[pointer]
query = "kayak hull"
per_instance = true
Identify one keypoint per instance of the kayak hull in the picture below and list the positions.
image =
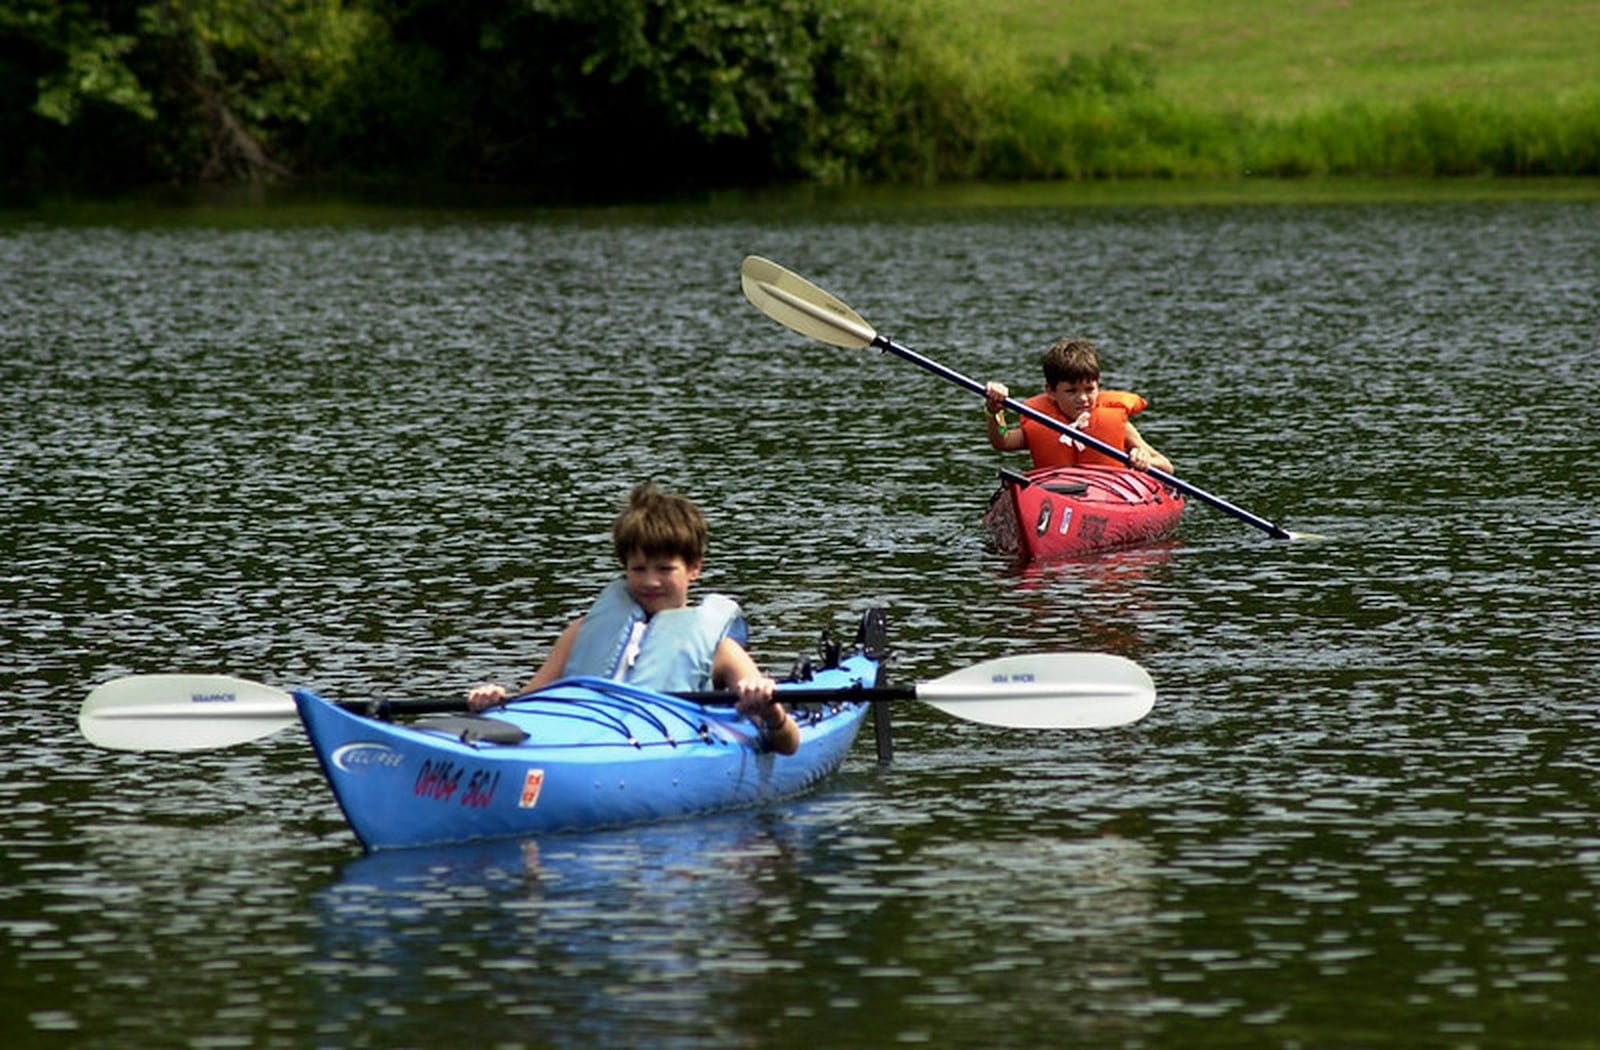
(595, 754)
(1066, 512)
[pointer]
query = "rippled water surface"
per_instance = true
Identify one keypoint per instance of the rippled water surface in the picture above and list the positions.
(379, 453)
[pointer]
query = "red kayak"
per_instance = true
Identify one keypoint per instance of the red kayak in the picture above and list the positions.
(1062, 512)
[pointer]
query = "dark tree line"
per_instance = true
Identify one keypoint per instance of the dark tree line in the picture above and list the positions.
(560, 92)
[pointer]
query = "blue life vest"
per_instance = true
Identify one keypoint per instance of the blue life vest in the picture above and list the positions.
(670, 652)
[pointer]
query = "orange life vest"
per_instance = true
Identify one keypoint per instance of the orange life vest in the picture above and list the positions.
(1108, 421)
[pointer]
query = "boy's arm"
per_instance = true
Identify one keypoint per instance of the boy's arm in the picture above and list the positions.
(732, 668)
(1009, 439)
(555, 665)
(1142, 455)
(488, 694)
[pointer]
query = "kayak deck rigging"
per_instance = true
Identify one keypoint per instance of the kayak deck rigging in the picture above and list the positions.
(607, 713)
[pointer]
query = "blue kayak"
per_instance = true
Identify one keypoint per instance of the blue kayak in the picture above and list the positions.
(583, 753)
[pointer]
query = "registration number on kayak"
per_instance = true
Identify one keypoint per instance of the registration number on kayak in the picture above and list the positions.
(441, 781)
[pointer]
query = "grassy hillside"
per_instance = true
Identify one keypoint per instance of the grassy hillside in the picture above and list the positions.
(1086, 89)
(1275, 59)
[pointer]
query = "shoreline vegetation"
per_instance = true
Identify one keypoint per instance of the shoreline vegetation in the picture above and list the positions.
(674, 95)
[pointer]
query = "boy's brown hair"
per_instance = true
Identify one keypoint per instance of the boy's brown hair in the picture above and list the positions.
(659, 524)
(1070, 360)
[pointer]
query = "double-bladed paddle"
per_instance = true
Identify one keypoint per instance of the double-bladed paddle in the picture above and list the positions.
(796, 303)
(183, 712)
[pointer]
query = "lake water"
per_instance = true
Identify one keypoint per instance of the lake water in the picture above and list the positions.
(377, 452)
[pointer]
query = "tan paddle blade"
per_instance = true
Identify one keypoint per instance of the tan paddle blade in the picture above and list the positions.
(796, 303)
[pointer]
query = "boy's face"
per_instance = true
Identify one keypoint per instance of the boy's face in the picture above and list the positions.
(658, 582)
(1074, 397)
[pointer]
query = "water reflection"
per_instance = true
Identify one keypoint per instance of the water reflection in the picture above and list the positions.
(684, 933)
(550, 938)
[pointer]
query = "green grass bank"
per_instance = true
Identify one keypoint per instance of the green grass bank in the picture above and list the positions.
(1229, 88)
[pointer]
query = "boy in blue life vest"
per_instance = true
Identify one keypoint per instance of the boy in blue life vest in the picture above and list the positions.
(642, 629)
(1072, 395)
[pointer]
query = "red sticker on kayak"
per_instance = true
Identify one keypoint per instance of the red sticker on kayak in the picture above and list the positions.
(530, 788)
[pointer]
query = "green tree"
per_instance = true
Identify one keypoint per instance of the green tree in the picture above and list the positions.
(621, 92)
(63, 70)
(172, 88)
(592, 91)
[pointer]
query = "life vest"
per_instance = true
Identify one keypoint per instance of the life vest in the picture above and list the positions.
(1108, 421)
(670, 652)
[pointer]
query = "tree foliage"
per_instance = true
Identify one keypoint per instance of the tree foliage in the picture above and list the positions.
(607, 92)
(167, 89)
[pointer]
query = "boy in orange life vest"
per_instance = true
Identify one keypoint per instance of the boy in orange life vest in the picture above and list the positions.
(1072, 395)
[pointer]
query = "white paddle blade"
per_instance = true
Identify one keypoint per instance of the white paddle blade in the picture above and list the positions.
(182, 712)
(796, 303)
(1046, 691)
